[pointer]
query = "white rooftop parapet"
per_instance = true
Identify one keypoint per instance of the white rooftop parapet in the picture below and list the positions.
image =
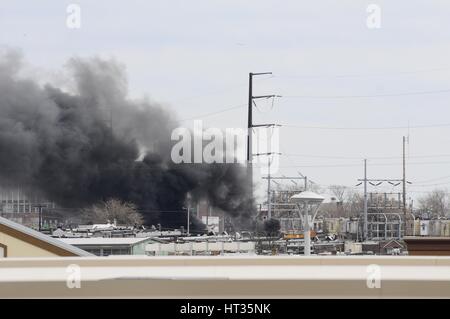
(227, 277)
(202, 247)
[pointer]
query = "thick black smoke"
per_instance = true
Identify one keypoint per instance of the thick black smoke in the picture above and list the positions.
(61, 143)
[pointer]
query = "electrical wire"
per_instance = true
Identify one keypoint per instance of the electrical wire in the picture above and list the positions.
(434, 179)
(213, 113)
(362, 157)
(367, 128)
(310, 76)
(359, 165)
(429, 185)
(413, 93)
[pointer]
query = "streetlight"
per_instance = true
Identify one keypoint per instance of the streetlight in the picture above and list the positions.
(309, 203)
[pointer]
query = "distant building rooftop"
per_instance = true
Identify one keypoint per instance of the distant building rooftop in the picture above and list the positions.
(104, 240)
(106, 246)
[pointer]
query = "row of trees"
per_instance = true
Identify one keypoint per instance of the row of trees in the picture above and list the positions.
(351, 203)
(436, 203)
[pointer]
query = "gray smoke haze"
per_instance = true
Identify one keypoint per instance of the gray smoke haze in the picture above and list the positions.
(61, 144)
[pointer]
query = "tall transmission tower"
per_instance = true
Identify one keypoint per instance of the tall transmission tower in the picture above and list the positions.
(250, 126)
(404, 186)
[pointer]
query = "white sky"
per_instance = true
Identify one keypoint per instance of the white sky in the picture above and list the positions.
(195, 56)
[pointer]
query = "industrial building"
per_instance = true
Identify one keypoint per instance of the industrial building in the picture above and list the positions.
(100, 246)
(17, 200)
(25, 207)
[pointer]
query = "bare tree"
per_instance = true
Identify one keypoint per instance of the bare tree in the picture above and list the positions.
(354, 203)
(328, 210)
(339, 191)
(436, 202)
(114, 209)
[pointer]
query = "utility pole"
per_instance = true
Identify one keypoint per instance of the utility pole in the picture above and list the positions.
(269, 199)
(404, 187)
(207, 217)
(365, 212)
(40, 218)
(188, 199)
(250, 125)
(365, 201)
(188, 222)
(250, 119)
(40, 206)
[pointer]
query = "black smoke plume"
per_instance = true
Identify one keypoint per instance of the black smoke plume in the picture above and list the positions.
(91, 142)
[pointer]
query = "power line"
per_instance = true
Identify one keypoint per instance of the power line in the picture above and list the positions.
(434, 179)
(428, 185)
(213, 113)
(426, 192)
(218, 91)
(361, 157)
(321, 156)
(321, 166)
(357, 165)
(271, 106)
(367, 128)
(358, 75)
(366, 95)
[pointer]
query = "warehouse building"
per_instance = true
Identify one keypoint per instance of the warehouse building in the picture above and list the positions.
(107, 246)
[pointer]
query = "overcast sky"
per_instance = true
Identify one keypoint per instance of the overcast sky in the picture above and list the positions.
(333, 71)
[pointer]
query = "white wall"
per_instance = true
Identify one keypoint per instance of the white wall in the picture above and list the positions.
(201, 247)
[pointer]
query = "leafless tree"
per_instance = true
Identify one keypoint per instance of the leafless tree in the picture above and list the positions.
(124, 213)
(339, 191)
(436, 202)
(354, 203)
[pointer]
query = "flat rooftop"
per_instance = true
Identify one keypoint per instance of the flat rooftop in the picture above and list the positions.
(92, 241)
